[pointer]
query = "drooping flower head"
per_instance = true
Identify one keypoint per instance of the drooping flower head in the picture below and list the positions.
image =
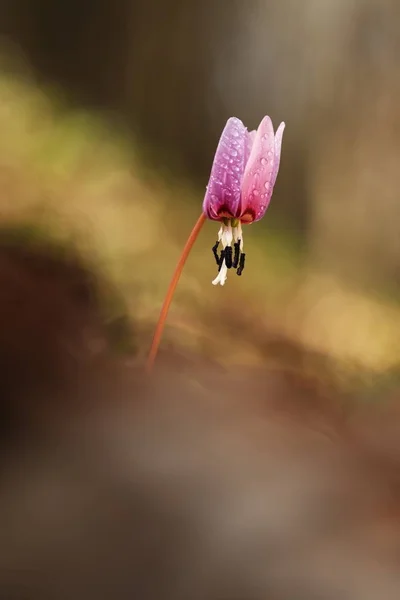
(241, 183)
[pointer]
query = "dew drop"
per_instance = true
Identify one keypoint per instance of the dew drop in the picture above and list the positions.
(263, 161)
(256, 192)
(234, 152)
(266, 185)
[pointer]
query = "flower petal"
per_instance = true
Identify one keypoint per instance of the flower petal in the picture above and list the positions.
(223, 192)
(250, 141)
(257, 185)
(278, 146)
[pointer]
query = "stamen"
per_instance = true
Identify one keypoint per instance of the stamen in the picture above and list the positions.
(236, 255)
(214, 251)
(241, 264)
(238, 235)
(228, 257)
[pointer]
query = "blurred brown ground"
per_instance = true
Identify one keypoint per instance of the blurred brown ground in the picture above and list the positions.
(197, 482)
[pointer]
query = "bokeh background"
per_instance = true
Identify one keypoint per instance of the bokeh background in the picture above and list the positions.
(110, 112)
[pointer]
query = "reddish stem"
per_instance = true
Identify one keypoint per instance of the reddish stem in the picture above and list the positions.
(170, 293)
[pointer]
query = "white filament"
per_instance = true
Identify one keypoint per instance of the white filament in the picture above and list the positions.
(238, 235)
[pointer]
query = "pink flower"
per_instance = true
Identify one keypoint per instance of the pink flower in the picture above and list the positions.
(242, 180)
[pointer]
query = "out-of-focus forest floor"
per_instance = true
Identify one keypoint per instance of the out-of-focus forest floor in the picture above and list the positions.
(69, 177)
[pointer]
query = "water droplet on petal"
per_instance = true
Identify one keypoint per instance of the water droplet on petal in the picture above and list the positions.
(256, 192)
(263, 160)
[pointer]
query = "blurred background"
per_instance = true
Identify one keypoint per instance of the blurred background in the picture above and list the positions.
(110, 112)
(231, 468)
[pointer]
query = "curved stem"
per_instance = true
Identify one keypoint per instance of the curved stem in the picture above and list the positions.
(170, 292)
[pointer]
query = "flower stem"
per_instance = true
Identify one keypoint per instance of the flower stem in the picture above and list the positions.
(170, 292)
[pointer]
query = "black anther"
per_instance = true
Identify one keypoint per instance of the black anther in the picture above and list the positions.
(236, 254)
(214, 251)
(228, 257)
(241, 264)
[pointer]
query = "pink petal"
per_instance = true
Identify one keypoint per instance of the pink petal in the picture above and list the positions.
(258, 176)
(278, 146)
(250, 141)
(223, 192)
